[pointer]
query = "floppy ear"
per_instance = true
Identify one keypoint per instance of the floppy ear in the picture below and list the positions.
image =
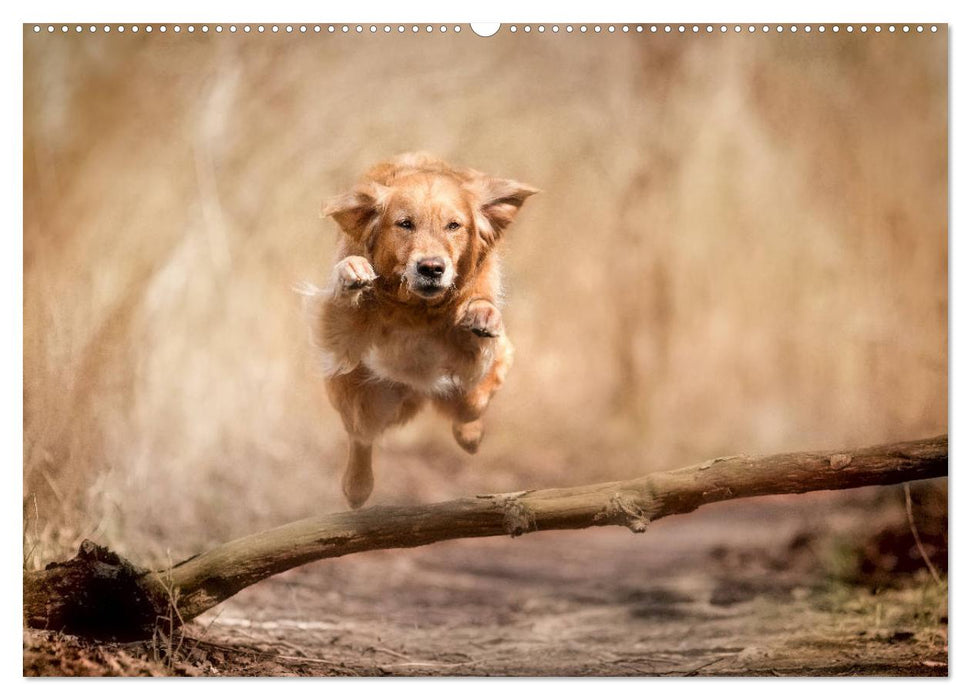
(354, 211)
(499, 202)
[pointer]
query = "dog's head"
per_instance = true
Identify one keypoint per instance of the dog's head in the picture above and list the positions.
(426, 227)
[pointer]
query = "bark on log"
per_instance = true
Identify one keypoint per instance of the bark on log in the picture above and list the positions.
(100, 594)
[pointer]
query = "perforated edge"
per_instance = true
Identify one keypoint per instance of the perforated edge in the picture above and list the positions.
(425, 29)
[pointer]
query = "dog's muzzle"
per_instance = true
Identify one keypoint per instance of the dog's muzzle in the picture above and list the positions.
(430, 277)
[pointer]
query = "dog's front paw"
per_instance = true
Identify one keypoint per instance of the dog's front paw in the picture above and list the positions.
(355, 273)
(483, 319)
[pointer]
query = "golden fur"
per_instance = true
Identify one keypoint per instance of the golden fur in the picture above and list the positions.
(412, 312)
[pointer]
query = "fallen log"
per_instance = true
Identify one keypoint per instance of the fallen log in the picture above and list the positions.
(99, 594)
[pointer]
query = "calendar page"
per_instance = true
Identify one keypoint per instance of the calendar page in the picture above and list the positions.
(485, 306)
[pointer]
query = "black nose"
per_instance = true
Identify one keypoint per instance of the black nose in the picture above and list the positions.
(431, 267)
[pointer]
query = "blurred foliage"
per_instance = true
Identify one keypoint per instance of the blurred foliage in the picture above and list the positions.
(886, 553)
(741, 246)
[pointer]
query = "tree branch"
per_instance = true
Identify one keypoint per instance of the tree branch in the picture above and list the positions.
(60, 597)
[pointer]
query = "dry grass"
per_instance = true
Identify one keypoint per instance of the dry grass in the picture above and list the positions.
(741, 245)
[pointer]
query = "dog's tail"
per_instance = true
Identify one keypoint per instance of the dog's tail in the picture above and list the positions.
(314, 298)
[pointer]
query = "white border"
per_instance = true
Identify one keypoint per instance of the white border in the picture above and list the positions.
(602, 11)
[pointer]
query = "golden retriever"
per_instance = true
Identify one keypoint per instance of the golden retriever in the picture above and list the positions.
(412, 314)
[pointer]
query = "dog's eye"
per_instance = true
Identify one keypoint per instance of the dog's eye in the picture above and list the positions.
(453, 226)
(407, 224)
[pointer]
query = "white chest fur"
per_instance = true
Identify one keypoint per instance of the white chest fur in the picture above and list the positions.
(426, 363)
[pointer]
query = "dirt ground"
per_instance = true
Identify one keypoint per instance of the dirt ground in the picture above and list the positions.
(737, 589)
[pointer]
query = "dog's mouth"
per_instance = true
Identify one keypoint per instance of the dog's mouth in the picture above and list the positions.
(427, 289)
(431, 283)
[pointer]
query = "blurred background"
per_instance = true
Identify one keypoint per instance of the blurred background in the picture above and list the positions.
(740, 246)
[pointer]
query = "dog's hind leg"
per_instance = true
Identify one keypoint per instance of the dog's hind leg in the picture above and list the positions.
(466, 409)
(468, 435)
(358, 480)
(368, 407)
